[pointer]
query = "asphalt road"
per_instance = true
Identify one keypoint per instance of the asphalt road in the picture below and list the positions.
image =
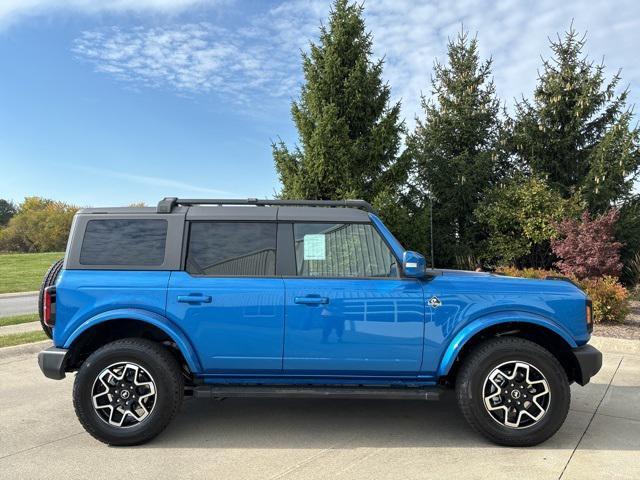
(308, 439)
(18, 304)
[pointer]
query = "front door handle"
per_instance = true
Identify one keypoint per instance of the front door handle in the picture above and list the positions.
(194, 298)
(309, 300)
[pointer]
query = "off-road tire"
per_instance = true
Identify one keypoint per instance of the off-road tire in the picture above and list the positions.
(48, 280)
(164, 370)
(489, 355)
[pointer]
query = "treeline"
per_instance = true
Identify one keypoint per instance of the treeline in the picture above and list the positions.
(35, 225)
(500, 182)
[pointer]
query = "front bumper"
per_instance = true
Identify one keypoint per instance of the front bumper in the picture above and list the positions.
(588, 363)
(52, 362)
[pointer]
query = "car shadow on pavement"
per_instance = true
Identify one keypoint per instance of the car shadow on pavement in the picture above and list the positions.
(332, 423)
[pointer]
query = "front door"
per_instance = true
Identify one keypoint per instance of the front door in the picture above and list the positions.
(228, 301)
(348, 312)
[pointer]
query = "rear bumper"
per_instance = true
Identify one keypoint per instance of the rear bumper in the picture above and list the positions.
(52, 362)
(588, 361)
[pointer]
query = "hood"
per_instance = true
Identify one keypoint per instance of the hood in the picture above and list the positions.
(464, 273)
(488, 280)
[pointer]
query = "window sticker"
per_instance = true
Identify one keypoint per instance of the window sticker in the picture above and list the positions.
(314, 247)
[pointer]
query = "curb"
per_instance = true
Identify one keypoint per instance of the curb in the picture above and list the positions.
(25, 349)
(18, 294)
(20, 328)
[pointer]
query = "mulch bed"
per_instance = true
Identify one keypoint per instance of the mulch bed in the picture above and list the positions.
(629, 329)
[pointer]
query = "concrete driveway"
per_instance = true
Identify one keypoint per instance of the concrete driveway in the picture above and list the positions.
(351, 439)
(18, 303)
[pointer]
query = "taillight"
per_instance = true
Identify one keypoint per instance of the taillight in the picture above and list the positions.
(589, 314)
(49, 310)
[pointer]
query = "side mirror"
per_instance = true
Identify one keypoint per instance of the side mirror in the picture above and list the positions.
(413, 264)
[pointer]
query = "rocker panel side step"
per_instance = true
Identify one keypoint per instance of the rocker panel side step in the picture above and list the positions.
(223, 391)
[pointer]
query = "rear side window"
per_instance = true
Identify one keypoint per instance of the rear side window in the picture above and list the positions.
(232, 249)
(342, 250)
(135, 242)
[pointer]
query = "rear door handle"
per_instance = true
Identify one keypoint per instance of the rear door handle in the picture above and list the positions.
(194, 298)
(311, 300)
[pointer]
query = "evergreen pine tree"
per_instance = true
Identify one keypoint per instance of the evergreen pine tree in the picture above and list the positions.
(576, 131)
(349, 133)
(455, 149)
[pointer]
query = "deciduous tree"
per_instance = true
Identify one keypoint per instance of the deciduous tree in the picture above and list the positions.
(7, 210)
(587, 248)
(41, 225)
(521, 218)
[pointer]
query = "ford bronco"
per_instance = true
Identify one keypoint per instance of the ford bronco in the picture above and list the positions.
(228, 298)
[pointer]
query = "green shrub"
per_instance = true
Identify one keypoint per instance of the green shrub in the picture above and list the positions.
(535, 273)
(520, 219)
(609, 297)
(628, 233)
(631, 272)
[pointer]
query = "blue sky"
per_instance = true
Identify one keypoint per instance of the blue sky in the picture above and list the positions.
(118, 101)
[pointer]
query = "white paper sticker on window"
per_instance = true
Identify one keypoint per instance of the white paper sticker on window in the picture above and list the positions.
(314, 247)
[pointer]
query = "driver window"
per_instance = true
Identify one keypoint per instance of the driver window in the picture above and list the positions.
(342, 250)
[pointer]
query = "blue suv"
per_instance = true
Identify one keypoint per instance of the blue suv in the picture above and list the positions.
(228, 298)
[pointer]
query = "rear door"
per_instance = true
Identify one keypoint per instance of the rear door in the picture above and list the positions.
(348, 311)
(229, 301)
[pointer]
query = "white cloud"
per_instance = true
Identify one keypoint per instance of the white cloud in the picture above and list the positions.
(514, 33)
(259, 59)
(193, 58)
(411, 34)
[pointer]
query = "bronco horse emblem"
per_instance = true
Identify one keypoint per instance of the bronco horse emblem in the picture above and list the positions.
(435, 302)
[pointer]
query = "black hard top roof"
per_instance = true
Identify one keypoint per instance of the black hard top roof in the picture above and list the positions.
(308, 214)
(250, 210)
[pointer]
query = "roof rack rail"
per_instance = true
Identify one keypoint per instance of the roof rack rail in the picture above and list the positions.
(167, 204)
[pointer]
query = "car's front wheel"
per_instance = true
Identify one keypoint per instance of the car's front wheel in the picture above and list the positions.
(513, 391)
(128, 391)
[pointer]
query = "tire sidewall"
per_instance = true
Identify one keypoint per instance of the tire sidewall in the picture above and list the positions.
(151, 425)
(555, 414)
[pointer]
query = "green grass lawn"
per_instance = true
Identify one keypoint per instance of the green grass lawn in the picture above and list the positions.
(23, 272)
(20, 338)
(18, 319)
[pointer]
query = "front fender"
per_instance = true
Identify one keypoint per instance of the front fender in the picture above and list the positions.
(484, 322)
(145, 316)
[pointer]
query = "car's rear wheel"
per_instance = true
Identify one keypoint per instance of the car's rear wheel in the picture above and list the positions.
(48, 280)
(128, 391)
(513, 391)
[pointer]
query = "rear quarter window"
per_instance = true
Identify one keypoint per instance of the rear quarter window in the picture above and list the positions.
(136, 242)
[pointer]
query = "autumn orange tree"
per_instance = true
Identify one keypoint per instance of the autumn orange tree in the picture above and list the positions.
(40, 225)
